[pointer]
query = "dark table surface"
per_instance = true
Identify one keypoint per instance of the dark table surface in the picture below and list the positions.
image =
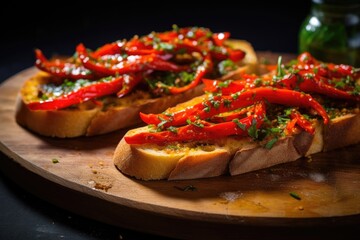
(267, 26)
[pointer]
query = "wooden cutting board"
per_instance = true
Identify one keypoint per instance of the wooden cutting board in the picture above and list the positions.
(85, 181)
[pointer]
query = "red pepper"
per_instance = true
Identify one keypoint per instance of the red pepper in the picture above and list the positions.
(132, 64)
(138, 47)
(229, 116)
(307, 82)
(222, 53)
(316, 84)
(232, 86)
(128, 85)
(94, 90)
(302, 122)
(236, 55)
(205, 67)
(109, 49)
(218, 104)
(290, 127)
(220, 38)
(61, 68)
(206, 131)
(306, 58)
(190, 46)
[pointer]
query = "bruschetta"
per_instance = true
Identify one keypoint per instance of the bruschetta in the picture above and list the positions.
(96, 92)
(298, 109)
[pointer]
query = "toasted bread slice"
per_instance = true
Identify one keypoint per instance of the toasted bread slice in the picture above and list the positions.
(110, 114)
(230, 155)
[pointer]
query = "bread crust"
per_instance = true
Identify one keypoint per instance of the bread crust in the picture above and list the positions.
(201, 164)
(342, 131)
(59, 123)
(254, 158)
(143, 162)
(90, 119)
(116, 118)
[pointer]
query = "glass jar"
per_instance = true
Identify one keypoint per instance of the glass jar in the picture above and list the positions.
(331, 32)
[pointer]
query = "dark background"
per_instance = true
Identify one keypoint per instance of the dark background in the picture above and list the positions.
(270, 26)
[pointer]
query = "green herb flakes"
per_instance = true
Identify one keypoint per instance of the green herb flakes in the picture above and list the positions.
(239, 124)
(55, 160)
(271, 143)
(295, 195)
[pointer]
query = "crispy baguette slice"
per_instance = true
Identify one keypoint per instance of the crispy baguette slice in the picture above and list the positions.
(91, 119)
(230, 155)
(176, 162)
(342, 131)
(200, 160)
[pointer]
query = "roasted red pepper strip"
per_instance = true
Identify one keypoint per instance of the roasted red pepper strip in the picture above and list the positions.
(207, 131)
(205, 67)
(220, 38)
(221, 53)
(61, 68)
(94, 90)
(232, 86)
(308, 82)
(128, 85)
(307, 58)
(302, 122)
(290, 127)
(236, 54)
(304, 81)
(218, 104)
(229, 116)
(132, 64)
(108, 49)
(138, 47)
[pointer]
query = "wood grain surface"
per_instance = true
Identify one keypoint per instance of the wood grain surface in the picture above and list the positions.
(85, 181)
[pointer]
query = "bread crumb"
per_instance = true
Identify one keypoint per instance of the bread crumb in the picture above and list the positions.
(231, 196)
(300, 208)
(274, 177)
(317, 177)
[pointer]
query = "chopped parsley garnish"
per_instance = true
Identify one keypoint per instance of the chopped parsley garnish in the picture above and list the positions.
(258, 82)
(55, 160)
(271, 143)
(175, 27)
(196, 124)
(356, 90)
(253, 131)
(295, 195)
(162, 123)
(206, 107)
(279, 71)
(224, 83)
(227, 103)
(282, 120)
(172, 129)
(226, 66)
(235, 96)
(239, 124)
